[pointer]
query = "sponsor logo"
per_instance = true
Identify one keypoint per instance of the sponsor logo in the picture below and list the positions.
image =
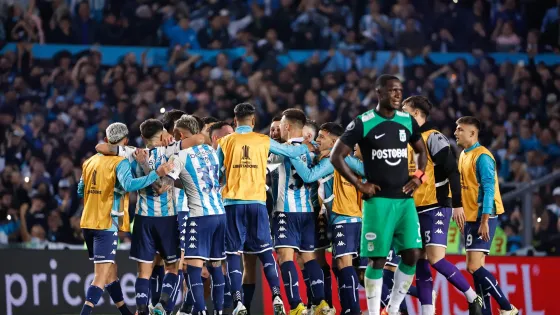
(370, 246)
(236, 271)
(192, 231)
(113, 252)
(341, 243)
(439, 222)
(379, 136)
(282, 221)
(339, 234)
(264, 245)
(351, 126)
(115, 234)
(183, 231)
(193, 224)
(281, 215)
(439, 214)
(338, 227)
(245, 159)
(141, 296)
(321, 230)
(182, 238)
(167, 285)
(192, 239)
(392, 157)
(370, 236)
(268, 265)
(282, 235)
(316, 282)
(185, 224)
(191, 245)
(282, 229)
(115, 243)
(439, 231)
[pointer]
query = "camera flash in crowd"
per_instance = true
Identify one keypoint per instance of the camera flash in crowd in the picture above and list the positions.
(162, 110)
(26, 179)
(9, 217)
(539, 220)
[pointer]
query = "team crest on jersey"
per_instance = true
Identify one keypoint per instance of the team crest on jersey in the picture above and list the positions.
(402, 135)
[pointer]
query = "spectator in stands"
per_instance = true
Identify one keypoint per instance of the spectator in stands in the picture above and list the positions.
(375, 27)
(216, 35)
(62, 34)
(411, 41)
(182, 35)
(83, 26)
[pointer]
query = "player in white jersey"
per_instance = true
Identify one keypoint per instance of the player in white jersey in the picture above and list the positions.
(203, 234)
(294, 221)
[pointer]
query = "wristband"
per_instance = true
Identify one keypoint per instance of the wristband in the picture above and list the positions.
(420, 175)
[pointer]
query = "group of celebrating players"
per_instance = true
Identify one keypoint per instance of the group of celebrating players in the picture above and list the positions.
(381, 193)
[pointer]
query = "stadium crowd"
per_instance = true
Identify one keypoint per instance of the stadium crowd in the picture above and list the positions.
(54, 112)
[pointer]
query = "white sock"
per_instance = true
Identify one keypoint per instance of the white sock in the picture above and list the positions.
(428, 309)
(373, 295)
(400, 288)
(470, 295)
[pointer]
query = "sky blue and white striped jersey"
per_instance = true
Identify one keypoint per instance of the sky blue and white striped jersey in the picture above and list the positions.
(181, 200)
(201, 180)
(293, 194)
(150, 203)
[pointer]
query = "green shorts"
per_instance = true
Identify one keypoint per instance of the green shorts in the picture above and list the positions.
(389, 221)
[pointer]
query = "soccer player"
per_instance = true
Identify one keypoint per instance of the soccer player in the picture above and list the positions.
(310, 131)
(243, 155)
(294, 220)
(105, 183)
(217, 131)
(435, 209)
(340, 202)
(482, 203)
(389, 214)
(275, 129)
(205, 239)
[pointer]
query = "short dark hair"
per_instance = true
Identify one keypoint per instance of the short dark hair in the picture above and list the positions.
(170, 117)
(276, 118)
(470, 120)
(150, 128)
(209, 119)
(217, 126)
(200, 122)
(295, 115)
(333, 128)
(244, 110)
(421, 103)
(313, 125)
(383, 79)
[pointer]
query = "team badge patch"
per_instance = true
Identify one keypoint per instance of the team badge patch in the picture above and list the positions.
(402, 135)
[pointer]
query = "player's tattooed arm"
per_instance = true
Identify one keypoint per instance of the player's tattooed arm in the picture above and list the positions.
(107, 149)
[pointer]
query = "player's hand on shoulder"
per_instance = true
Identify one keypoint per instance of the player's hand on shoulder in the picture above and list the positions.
(412, 184)
(459, 218)
(368, 189)
(166, 138)
(140, 155)
(165, 168)
(310, 146)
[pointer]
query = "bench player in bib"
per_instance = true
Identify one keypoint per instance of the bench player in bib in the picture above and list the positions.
(482, 203)
(434, 200)
(389, 214)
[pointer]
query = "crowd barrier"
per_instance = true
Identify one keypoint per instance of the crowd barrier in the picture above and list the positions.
(54, 282)
(112, 55)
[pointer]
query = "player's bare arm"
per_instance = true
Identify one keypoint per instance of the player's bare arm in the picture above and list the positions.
(416, 180)
(339, 152)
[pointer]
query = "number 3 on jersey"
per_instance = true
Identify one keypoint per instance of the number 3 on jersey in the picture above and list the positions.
(208, 178)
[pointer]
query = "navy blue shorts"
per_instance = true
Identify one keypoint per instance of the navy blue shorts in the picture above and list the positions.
(205, 238)
(155, 234)
(322, 235)
(475, 243)
(294, 230)
(434, 225)
(101, 245)
(248, 229)
(346, 239)
(393, 259)
(182, 217)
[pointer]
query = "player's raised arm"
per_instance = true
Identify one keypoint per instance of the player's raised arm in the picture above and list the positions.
(313, 174)
(288, 151)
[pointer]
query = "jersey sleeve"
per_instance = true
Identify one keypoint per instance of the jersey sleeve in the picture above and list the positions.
(354, 132)
(310, 175)
(177, 166)
(356, 165)
(486, 170)
(290, 151)
(126, 152)
(172, 149)
(129, 183)
(81, 187)
(416, 134)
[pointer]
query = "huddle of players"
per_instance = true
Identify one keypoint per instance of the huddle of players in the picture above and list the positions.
(300, 222)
